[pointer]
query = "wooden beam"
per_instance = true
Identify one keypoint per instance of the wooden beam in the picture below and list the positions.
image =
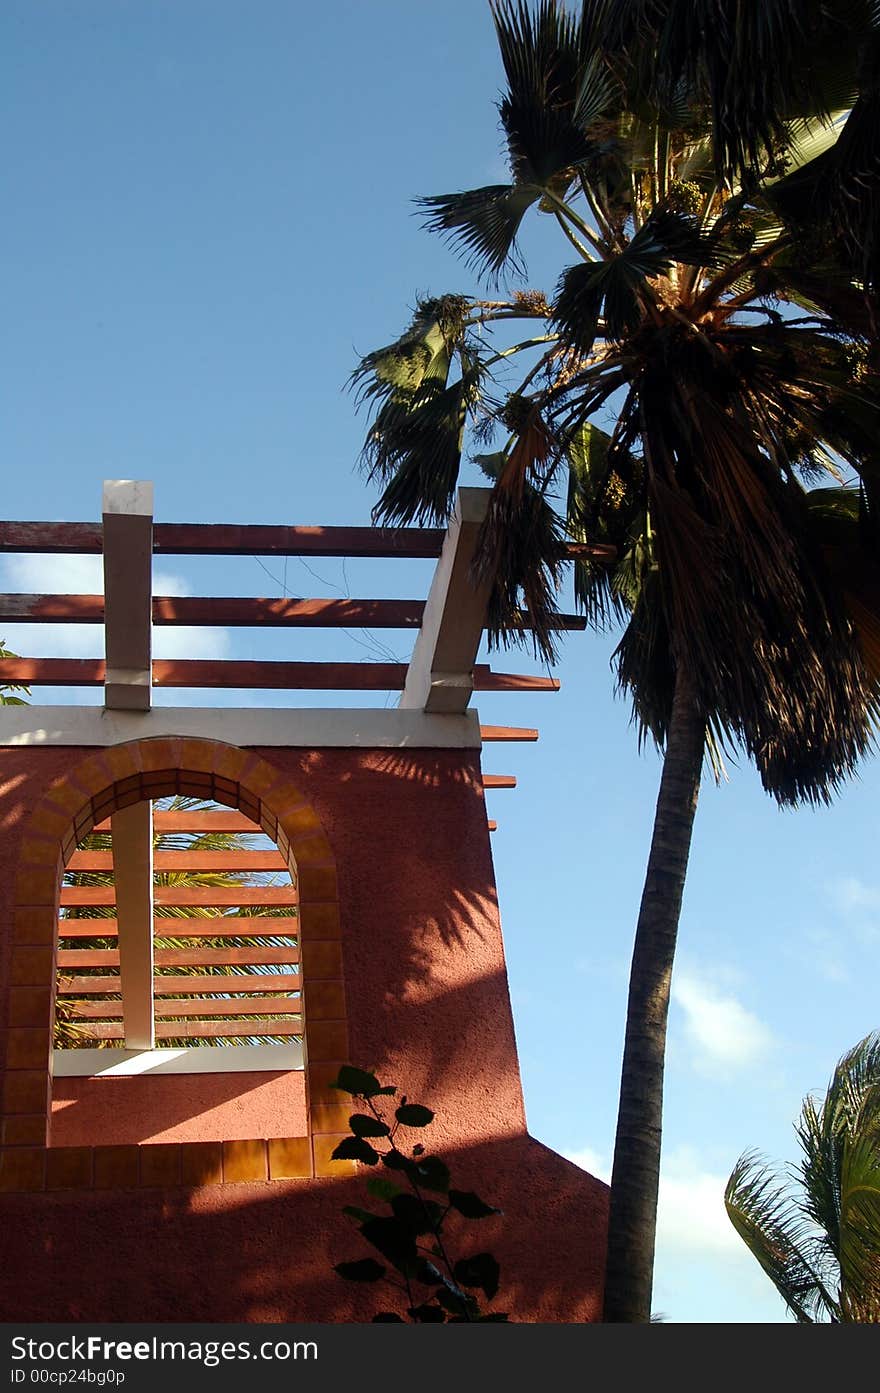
(195, 672)
(199, 1030)
(240, 860)
(81, 958)
(233, 1008)
(440, 676)
(211, 820)
(232, 539)
(493, 734)
(173, 985)
(499, 781)
(177, 896)
(132, 891)
(128, 592)
(212, 926)
(242, 612)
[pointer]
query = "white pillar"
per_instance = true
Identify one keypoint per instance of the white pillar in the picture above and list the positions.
(132, 838)
(128, 593)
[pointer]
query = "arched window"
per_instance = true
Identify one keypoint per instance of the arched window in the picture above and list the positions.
(124, 792)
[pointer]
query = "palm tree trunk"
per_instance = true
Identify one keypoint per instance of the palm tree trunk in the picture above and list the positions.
(636, 1172)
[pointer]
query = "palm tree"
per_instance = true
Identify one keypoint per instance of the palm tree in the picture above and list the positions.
(706, 357)
(819, 1243)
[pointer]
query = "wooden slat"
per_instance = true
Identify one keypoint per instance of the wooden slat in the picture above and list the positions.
(178, 897)
(217, 926)
(220, 820)
(198, 1030)
(198, 672)
(80, 958)
(499, 781)
(170, 985)
(240, 860)
(240, 539)
(232, 539)
(489, 734)
(233, 1008)
(493, 826)
(243, 611)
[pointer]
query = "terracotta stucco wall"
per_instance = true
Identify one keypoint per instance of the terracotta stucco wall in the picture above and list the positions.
(177, 1107)
(428, 1008)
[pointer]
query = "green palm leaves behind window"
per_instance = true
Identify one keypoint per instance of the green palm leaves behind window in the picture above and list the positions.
(69, 1031)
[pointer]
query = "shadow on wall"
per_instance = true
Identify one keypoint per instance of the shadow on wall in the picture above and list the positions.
(265, 1253)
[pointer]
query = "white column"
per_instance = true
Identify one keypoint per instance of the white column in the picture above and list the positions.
(441, 671)
(132, 838)
(128, 593)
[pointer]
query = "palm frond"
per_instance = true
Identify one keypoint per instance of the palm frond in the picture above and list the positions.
(773, 1228)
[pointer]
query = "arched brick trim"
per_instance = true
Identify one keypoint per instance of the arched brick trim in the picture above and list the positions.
(115, 778)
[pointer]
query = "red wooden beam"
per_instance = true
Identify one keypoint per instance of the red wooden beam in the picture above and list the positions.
(219, 820)
(213, 926)
(79, 958)
(73, 896)
(499, 780)
(198, 1030)
(233, 1008)
(240, 539)
(240, 860)
(170, 986)
(197, 672)
(490, 734)
(241, 612)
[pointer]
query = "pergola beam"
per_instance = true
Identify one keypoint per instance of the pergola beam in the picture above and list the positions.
(132, 840)
(440, 677)
(128, 593)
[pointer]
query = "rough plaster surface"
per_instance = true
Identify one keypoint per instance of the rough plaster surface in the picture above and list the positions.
(428, 1009)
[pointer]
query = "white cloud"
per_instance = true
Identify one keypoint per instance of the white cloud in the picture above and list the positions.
(851, 893)
(83, 575)
(72, 575)
(691, 1217)
(724, 1031)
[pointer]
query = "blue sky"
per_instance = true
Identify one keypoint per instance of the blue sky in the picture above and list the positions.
(209, 216)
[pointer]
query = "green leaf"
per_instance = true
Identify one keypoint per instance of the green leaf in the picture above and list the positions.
(481, 1271)
(382, 1189)
(364, 1270)
(414, 1115)
(470, 1205)
(363, 1125)
(357, 1082)
(355, 1149)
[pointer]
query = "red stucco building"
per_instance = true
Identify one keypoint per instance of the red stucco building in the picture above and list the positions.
(196, 1183)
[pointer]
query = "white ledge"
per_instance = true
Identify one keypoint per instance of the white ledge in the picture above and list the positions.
(308, 728)
(199, 1059)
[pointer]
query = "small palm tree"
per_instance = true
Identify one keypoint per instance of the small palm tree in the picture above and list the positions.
(817, 1233)
(707, 357)
(9, 690)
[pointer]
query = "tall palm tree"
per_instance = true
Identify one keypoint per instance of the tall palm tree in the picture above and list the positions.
(819, 1242)
(706, 356)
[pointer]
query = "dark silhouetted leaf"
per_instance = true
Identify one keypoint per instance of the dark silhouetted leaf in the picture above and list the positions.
(420, 1216)
(427, 1314)
(393, 1240)
(357, 1081)
(481, 1271)
(365, 1126)
(365, 1270)
(382, 1189)
(470, 1205)
(414, 1115)
(355, 1149)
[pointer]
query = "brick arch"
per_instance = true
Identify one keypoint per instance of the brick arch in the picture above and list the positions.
(115, 778)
